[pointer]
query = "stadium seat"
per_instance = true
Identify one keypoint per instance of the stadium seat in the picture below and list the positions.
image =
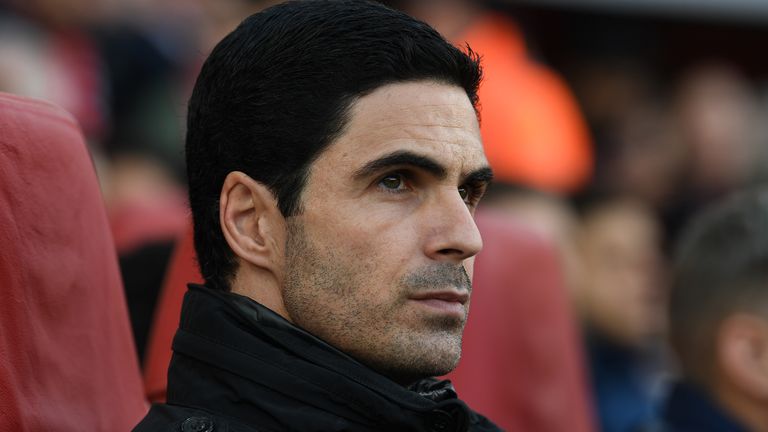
(182, 270)
(67, 359)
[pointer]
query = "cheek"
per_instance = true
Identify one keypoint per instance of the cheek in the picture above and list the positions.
(361, 226)
(383, 256)
(378, 254)
(380, 238)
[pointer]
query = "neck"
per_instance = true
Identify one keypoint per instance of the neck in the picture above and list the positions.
(263, 288)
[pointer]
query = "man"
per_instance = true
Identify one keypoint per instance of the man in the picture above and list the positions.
(719, 320)
(334, 164)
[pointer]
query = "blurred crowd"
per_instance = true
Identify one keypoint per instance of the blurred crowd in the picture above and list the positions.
(606, 161)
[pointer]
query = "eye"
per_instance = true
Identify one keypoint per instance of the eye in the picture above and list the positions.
(392, 182)
(471, 193)
(464, 193)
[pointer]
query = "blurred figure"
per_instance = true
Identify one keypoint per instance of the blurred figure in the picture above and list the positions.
(647, 158)
(221, 17)
(717, 114)
(622, 290)
(608, 86)
(679, 151)
(635, 150)
(46, 52)
(614, 267)
(621, 301)
(639, 149)
(533, 131)
(719, 320)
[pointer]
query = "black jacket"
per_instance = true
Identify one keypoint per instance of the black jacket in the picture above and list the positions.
(238, 366)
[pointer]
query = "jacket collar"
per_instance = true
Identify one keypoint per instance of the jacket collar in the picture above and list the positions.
(228, 347)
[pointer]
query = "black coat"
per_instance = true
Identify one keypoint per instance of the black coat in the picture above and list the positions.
(238, 366)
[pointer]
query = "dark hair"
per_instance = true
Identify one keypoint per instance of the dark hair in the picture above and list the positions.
(721, 267)
(276, 91)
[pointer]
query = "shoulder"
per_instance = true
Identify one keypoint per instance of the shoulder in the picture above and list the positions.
(167, 418)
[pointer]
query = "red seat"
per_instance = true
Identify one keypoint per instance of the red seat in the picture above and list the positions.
(522, 363)
(67, 359)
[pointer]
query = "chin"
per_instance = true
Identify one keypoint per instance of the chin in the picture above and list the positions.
(448, 358)
(429, 371)
(440, 356)
(441, 370)
(420, 364)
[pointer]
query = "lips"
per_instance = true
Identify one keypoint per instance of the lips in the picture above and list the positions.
(446, 296)
(445, 302)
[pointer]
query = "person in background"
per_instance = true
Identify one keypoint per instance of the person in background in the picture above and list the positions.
(620, 299)
(47, 52)
(718, 120)
(614, 270)
(718, 314)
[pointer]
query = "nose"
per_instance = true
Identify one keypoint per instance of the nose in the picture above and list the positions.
(452, 232)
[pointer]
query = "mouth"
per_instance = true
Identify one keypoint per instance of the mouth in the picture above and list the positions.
(444, 302)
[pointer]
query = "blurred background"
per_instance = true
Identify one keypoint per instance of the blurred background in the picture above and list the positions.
(608, 124)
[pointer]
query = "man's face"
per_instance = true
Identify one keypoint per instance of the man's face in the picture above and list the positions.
(623, 292)
(379, 260)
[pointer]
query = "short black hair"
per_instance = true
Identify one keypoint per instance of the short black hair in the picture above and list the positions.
(277, 91)
(721, 267)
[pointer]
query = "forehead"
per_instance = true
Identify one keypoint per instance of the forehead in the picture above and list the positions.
(430, 118)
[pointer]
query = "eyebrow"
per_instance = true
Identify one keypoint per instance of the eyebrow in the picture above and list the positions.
(407, 158)
(482, 175)
(400, 158)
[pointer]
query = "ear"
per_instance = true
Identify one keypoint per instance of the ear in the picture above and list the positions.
(742, 350)
(252, 223)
